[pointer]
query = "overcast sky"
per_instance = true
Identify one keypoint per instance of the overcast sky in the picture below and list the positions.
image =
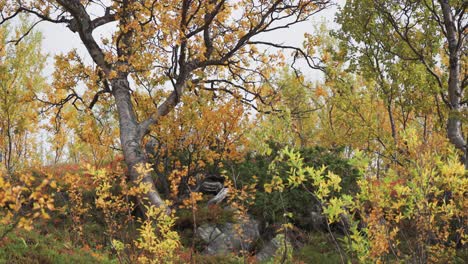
(59, 39)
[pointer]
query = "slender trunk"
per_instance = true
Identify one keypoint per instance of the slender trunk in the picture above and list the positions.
(392, 122)
(9, 151)
(454, 123)
(131, 137)
(25, 149)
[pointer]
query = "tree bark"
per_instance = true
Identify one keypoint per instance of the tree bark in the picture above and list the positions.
(131, 137)
(454, 123)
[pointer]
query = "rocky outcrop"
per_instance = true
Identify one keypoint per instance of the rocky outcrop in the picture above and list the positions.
(230, 237)
(271, 248)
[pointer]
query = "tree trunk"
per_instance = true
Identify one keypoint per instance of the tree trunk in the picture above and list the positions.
(131, 139)
(8, 163)
(454, 123)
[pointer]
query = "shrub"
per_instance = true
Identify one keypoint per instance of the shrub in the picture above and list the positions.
(23, 199)
(416, 212)
(270, 207)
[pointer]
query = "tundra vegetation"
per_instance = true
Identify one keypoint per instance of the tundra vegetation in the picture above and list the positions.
(187, 133)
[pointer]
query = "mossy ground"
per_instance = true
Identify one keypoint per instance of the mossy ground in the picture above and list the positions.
(30, 247)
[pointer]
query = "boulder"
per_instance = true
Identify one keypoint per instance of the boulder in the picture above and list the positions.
(210, 187)
(270, 248)
(230, 237)
(209, 183)
(219, 197)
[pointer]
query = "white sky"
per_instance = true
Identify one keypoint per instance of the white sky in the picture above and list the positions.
(59, 39)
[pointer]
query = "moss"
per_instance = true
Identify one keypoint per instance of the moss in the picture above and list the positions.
(319, 249)
(224, 259)
(30, 247)
(461, 256)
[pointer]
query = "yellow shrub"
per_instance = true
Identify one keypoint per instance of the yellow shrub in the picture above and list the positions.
(24, 199)
(156, 241)
(416, 212)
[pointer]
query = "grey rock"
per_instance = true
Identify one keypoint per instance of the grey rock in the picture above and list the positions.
(211, 187)
(230, 237)
(269, 249)
(219, 197)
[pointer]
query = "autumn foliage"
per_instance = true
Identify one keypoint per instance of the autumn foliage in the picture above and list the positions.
(178, 117)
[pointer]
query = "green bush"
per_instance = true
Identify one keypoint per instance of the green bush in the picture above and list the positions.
(270, 207)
